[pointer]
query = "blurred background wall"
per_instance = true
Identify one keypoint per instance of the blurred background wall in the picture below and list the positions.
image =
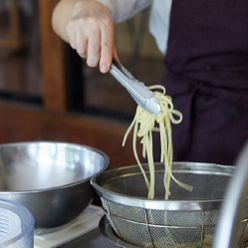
(48, 93)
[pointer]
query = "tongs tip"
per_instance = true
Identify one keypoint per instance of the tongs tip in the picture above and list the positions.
(152, 105)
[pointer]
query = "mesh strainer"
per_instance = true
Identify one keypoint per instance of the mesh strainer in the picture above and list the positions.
(187, 220)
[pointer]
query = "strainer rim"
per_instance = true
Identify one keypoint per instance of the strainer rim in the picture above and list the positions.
(161, 204)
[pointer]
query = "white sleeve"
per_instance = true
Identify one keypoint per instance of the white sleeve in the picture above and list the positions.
(121, 10)
(159, 23)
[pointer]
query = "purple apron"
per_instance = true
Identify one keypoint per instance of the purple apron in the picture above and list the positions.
(207, 63)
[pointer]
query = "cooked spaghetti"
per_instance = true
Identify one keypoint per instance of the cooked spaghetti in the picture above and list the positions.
(143, 125)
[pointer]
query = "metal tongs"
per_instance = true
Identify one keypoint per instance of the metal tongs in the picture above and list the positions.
(139, 92)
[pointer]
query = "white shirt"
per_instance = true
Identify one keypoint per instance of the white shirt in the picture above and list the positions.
(159, 18)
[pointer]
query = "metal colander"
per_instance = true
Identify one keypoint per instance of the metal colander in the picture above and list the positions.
(187, 219)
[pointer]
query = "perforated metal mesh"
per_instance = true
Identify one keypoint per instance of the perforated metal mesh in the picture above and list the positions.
(159, 229)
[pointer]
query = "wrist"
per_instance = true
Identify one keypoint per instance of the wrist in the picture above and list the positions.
(88, 8)
(108, 5)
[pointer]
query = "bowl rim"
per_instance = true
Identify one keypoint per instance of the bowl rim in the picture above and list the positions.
(68, 185)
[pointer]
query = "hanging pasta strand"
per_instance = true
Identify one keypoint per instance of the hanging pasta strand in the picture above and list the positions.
(143, 125)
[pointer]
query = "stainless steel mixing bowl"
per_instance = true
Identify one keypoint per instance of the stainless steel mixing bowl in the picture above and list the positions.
(52, 180)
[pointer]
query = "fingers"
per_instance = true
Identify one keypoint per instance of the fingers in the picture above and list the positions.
(91, 33)
(71, 34)
(76, 38)
(94, 47)
(81, 44)
(107, 46)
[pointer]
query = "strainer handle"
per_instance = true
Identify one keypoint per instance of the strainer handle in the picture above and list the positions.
(226, 235)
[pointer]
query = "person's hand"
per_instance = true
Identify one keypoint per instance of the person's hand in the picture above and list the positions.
(90, 32)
